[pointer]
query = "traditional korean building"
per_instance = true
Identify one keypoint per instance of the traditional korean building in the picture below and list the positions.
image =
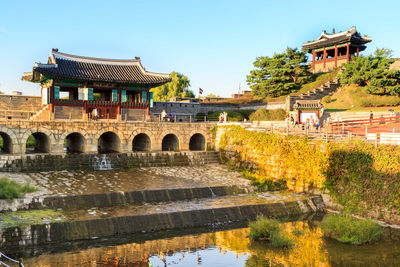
(332, 50)
(73, 85)
(308, 110)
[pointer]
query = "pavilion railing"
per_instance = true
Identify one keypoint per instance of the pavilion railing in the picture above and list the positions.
(95, 103)
(134, 105)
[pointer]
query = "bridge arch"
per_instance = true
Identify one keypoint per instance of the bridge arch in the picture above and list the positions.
(109, 142)
(141, 142)
(38, 142)
(7, 143)
(197, 142)
(75, 143)
(170, 142)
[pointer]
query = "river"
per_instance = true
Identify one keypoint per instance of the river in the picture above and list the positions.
(218, 247)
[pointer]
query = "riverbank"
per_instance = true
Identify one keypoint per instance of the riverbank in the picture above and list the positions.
(360, 177)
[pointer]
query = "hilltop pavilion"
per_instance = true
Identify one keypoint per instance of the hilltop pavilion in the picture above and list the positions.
(74, 85)
(332, 50)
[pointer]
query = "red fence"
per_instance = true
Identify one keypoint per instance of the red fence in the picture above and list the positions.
(363, 126)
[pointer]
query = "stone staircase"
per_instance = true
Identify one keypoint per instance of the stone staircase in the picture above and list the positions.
(317, 93)
(43, 114)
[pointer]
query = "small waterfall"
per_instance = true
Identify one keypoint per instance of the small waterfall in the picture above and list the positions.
(101, 163)
(212, 193)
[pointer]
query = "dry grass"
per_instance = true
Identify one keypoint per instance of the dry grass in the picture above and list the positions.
(354, 98)
(321, 79)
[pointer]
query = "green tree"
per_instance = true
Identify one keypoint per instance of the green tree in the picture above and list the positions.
(280, 74)
(177, 87)
(372, 72)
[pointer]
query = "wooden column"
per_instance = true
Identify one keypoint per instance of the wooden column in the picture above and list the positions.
(348, 52)
(336, 55)
(50, 94)
(313, 60)
(358, 51)
(324, 58)
(119, 100)
(148, 103)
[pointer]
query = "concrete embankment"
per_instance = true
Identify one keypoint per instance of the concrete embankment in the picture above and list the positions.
(111, 199)
(41, 234)
(54, 162)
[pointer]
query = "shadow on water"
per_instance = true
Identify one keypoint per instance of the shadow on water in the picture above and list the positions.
(227, 246)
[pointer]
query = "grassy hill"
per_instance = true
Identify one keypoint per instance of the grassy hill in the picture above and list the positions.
(354, 98)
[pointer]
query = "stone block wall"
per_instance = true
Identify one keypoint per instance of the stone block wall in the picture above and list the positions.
(49, 162)
(16, 107)
(68, 113)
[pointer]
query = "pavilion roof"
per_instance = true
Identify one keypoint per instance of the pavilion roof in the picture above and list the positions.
(325, 39)
(72, 67)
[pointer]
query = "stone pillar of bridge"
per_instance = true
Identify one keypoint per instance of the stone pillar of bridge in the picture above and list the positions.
(156, 145)
(183, 146)
(125, 146)
(17, 148)
(56, 148)
(91, 145)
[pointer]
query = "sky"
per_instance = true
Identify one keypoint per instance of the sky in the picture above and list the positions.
(213, 42)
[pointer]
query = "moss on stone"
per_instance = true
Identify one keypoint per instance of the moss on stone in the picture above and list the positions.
(29, 217)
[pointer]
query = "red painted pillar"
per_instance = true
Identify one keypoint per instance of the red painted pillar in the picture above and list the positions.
(313, 60)
(336, 55)
(51, 97)
(358, 51)
(324, 58)
(119, 101)
(348, 52)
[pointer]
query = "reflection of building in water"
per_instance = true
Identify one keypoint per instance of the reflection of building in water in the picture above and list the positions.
(308, 252)
(309, 249)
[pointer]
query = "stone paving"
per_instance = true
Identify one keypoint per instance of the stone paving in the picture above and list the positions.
(92, 182)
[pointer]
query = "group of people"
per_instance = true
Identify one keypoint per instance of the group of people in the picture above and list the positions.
(167, 117)
(223, 117)
(310, 123)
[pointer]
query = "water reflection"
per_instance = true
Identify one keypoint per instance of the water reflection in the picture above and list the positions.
(232, 248)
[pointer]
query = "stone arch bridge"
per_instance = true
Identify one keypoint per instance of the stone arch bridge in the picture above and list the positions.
(103, 136)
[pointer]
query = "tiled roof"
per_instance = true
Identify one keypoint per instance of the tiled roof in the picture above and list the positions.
(307, 104)
(325, 39)
(65, 66)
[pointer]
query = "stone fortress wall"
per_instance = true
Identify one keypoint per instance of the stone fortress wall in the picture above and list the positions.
(184, 110)
(19, 106)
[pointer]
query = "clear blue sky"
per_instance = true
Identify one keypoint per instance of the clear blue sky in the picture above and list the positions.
(213, 42)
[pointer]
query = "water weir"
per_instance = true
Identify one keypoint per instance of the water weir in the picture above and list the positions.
(41, 234)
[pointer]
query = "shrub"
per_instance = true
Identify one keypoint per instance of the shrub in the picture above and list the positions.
(347, 229)
(270, 230)
(11, 189)
(326, 99)
(263, 183)
(263, 114)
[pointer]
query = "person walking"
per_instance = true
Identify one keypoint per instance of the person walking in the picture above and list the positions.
(371, 117)
(163, 115)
